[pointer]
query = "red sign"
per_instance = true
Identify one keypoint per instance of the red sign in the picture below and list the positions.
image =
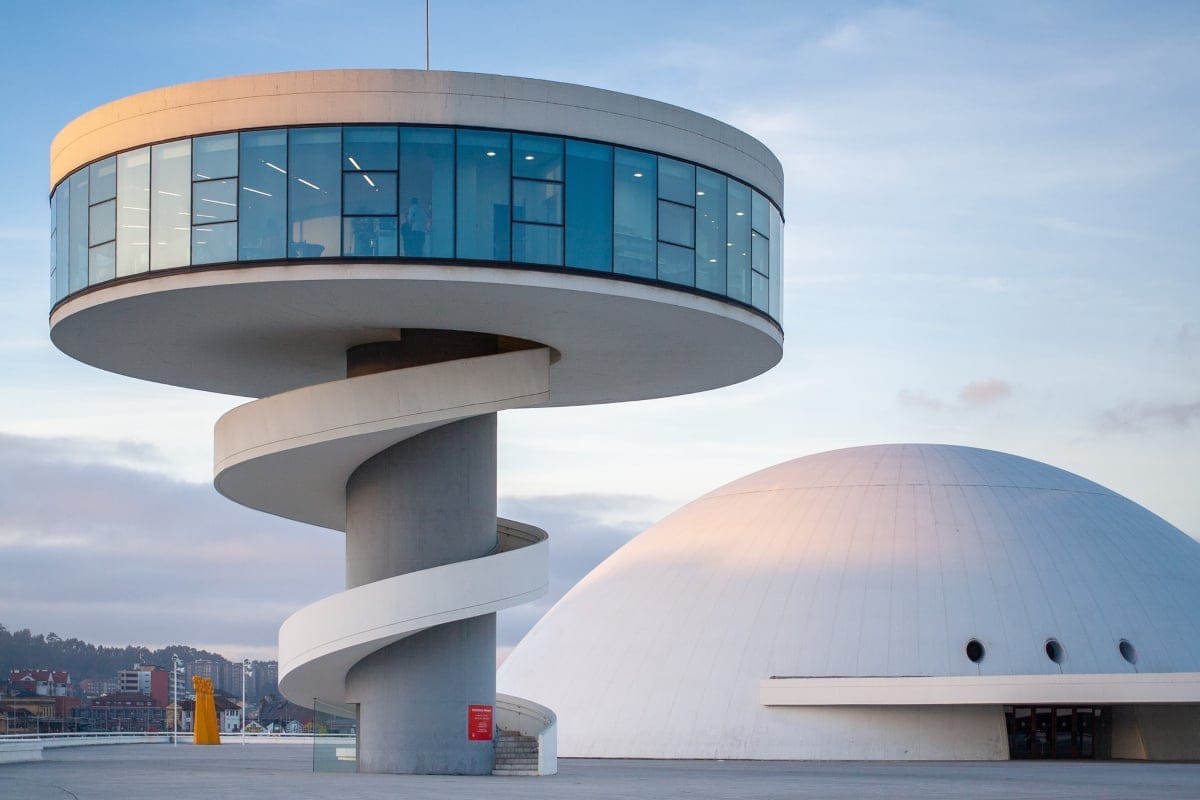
(479, 723)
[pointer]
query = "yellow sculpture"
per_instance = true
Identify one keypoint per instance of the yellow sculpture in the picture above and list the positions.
(204, 725)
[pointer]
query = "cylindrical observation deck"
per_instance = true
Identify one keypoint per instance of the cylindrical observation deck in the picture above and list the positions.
(388, 258)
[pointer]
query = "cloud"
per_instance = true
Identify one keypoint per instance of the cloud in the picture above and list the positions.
(915, 399)
(985, 393)
(117, 555)
(976, 394)
(1142, 417)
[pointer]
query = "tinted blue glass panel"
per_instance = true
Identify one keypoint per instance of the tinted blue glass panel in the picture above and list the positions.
(537, 244)
(635, 202)
(314, 193)
(758, 289)
(676, 264)
(761, 220)
(133, 212)
(371, 193)
(710, 231)
(171, 204)
(537, 157)
(263, 177)
(427, 192)
(102, 222)
(589, 209)
(676, 223)
(759, 247)
(214, 244)
(102, 263)
(483, 189)
(370, 236)
(102, 183)
(78, 230)
(537, 201)
(738, 246)
(369, 148)
(775, 272)
(53, 247)
(214, 201)
(62, 240)
(215, 157)
(676, 181)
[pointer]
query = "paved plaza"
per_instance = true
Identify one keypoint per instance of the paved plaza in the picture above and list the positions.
(269, 771)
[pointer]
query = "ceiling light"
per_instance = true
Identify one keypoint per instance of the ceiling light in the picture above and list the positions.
(741, 213)
(700, 194)
(529, 158)
(135, 208)
(277, 169)
(308, 184)
(171, 194)
(370, 182)
(712, 261)
(637, 174)
(490, 153)
(202, 177)
(353, 162)
(256, 191)
(218, 202)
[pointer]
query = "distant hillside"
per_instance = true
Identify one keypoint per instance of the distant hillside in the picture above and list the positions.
(23, 650)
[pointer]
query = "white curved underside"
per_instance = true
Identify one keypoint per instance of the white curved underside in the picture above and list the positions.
(291, 454)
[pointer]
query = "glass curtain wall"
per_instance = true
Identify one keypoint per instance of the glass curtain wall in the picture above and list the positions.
(388, 191)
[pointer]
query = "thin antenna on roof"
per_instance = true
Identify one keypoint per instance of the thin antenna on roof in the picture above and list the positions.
(427, 34)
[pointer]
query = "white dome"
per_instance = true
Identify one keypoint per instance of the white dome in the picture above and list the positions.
(871, 561)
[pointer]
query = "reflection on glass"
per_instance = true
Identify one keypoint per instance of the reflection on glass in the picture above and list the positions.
(262, 176)
(589, 206)
(758, 291)
(170, 204)
(78, 266)
(758, 253)
(102, 263)
(215, 157)
(538, 157)
(676, 223)
(537, 244)
(369, 236)
(676, 264)
(314, 193)
(369, 148)
(710, 232)
(635, 203)
(760, 221)
(102, 223)
(369, 193)
(483, 187)
(676, 181)
(62, 242)
(133, 212)
(103, 181)
(53, 248)
(427, 192)
(214, 201)
(537, 201)
(214, 244)
(738, 246)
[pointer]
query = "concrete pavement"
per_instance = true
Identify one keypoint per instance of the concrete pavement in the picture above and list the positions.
(279, 771)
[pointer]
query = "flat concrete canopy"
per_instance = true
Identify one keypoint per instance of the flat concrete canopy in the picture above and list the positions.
(283, 771)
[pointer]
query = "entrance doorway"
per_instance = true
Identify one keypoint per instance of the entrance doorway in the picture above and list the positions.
(1058, 731)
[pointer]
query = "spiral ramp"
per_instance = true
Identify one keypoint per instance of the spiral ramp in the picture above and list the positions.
(294, 454)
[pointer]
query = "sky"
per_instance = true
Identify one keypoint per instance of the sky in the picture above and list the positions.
(992, 239)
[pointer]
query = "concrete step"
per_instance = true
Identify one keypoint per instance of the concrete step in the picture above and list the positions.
(530, 773)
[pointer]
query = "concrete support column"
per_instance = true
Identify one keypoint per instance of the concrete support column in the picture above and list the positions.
(428, 501)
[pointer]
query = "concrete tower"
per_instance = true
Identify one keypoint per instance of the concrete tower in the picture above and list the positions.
(387, 259)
